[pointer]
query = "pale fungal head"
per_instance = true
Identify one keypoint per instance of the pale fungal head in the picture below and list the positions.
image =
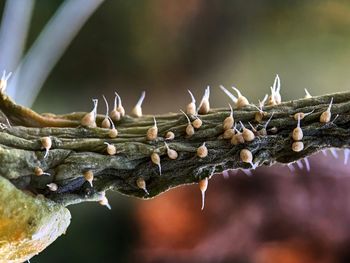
(169, 136)
(263, 131)
(297, 146)
(141, 183)
(301, 115)
(120, 107)
(197, 123)
(237, 138)
(229, 120)
(104, 201)
(297, 133)
(241, 100)
(189, 127)
(152, 133)
(155, 158)
(191, 107)
(89, 119)
(228, 134)
(105, 123)
(39, 172)
(89, 176)
(46, 142)
(204, 106)
(3, 80)
(52, 187)
(115, 114)
(260, 114)
(112, 133)
(203, 186)
(247, 157)
(229, 94)
(172, 154)
(247, 134)
(137, 110)
(202, 151)
(111, 150)
(307, 94)
(326, 115)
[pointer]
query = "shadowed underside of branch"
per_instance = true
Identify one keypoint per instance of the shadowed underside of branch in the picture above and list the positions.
(76, 149)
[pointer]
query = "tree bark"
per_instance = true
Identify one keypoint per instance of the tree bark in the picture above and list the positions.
(76, 149)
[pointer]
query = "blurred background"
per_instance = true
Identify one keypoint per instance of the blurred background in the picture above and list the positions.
(165, 48)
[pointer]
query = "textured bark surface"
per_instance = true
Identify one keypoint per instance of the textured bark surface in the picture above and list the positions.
(76, 149)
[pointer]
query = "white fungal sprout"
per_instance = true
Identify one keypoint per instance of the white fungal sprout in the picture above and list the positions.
(204, 106)
(241, 100)
(52, 187)
(111, 150)
(89, 119)
(172, 154)
(3, 80)
(307, 94)
(203, 186)
(46, 142)
(156, 160)
(189, 127)
(247, 134)
(229, 121)
(326, 115)
(141, 183)
(115, 114)
(137, 110)
(301, 115)
(297, 133)
(113, 132)
(191, 107)
(105, 123)
(120, 107)
(89, 176)
(277, 89)
(229, 94)
(202, 151)
(152, 133)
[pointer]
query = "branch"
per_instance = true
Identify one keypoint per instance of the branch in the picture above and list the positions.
(76, 149)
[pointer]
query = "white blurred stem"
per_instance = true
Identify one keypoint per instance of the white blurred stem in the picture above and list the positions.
(48, 48)
(13, 32)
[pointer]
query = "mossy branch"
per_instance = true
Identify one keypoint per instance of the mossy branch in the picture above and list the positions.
(76, 149)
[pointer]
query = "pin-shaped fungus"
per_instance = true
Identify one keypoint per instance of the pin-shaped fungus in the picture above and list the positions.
(104, 201)
(228, 134)
(105, 123)
(301, 115)
(169, 136)
(120, 107)
(202, 151)
(297, 133)
(39, 172)
(89, 176)
(141, 183)
(89, 119)
(237, 138)
(204, 106)
(197, 123)
(247, 134)
(326, 115)
(172, 154)
(152, 133)
(247, 157)
(46, 142)
(260, 114)
(203, 186)
(52, 187)
(137, 110)
(111, 150)
(277, 90)
(189, 127)
(297, 146)
(3, 80)
(241, 100)
(155, 158)
(191, 107)
(115, 114)
(229, 120)
(113, 132)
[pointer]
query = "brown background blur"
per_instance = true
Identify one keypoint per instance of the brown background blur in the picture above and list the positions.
(167, 47)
